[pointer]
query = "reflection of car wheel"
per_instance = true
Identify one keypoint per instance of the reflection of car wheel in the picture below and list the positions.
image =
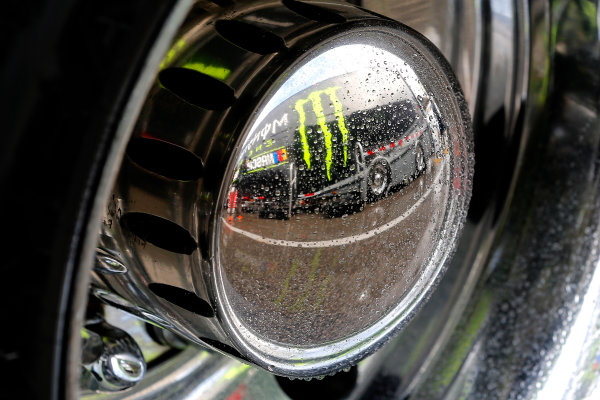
(420, 163)
(378, 179)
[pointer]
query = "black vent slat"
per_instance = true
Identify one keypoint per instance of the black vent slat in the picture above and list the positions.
(160, 232)
(165, 159)
(182, 298)
(250, 37)
(223, 347)
(197, 88)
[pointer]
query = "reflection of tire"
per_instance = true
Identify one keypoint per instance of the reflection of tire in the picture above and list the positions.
(378, 179)
(420, 163)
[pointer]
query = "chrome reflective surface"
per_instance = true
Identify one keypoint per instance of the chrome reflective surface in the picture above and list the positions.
(516, 314)
(345, 199)
(112, 360)
(295, 222)
(541, 321)
(530, 329)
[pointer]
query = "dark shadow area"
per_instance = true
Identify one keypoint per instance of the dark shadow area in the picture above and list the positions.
(182, 298)
(333, 387)
(250, 37)
(223, 347)
(165, 159)
(160, 232)
(197, 88)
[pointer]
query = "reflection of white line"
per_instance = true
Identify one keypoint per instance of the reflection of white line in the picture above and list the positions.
(341, 241)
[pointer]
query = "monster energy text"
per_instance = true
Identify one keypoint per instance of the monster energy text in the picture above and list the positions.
(315, 99)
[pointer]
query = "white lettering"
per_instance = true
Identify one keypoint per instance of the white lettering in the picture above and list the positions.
(268, 128)
(261, 161)
(283, 120)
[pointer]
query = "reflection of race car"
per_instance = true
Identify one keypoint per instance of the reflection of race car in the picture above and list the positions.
(389, 158)
(382, 157)
(262, 188)
(335, 158)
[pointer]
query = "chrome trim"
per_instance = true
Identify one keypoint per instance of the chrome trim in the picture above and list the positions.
(193, 210)
(82, 276)
(512, 340)
(530, 330)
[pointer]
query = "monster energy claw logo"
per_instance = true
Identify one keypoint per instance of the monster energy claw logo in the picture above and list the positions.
(317, 105)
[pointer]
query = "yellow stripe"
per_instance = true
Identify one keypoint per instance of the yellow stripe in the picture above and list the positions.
(315, 97)
(215, 71)
(286, 283)
(339, 115)
(302, 130)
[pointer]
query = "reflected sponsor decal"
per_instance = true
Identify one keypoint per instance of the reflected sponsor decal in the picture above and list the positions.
(261, 137)
(317, 107)
(267, 160)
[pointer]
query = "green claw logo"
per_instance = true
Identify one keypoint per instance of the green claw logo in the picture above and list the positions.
(317, 106)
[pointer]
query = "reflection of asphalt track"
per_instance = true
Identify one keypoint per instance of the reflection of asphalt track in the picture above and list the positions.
(342, 241)
(302, 291)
